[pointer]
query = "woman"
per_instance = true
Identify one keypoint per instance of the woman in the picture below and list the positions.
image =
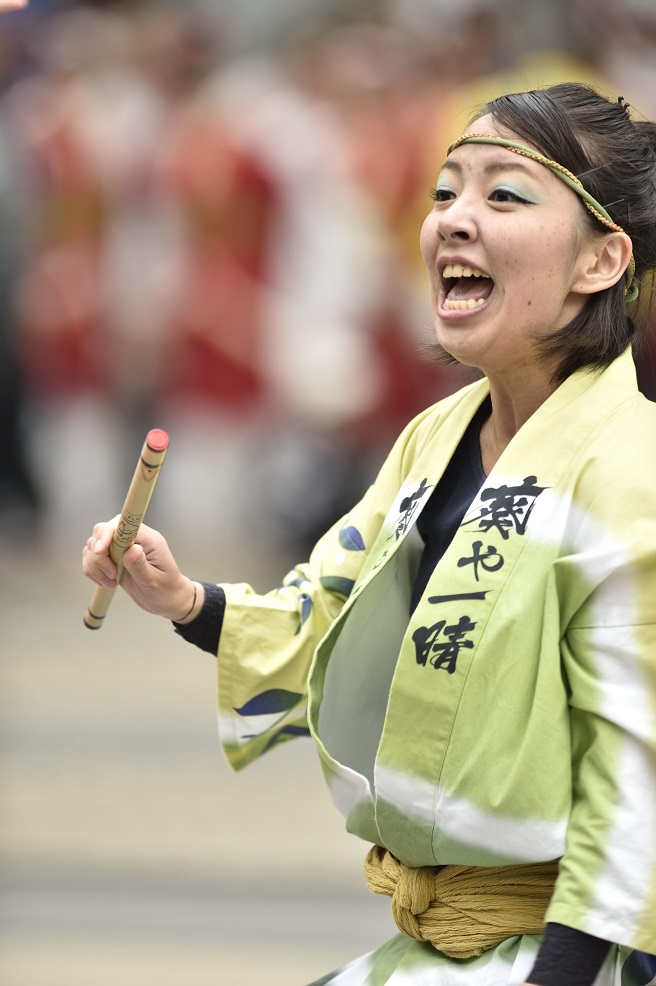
(473, 648)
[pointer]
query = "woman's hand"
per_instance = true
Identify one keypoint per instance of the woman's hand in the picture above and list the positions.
(150, 577)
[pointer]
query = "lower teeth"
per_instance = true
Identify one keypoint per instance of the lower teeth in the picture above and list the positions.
(470, 303)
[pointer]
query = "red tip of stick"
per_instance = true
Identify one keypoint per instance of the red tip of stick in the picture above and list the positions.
(157, 440)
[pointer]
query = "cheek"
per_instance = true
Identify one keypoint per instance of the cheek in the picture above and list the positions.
(428, 238)
(557, 251)
(535, 262)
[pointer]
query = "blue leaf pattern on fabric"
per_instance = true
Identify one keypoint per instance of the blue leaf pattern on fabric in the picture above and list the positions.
(287, 732)
(639, 969)
(269, 702)
(297, 582)
(306, 609)
(336, 583)
(350, 539)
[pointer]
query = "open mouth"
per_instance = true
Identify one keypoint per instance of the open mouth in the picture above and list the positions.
(465, 288)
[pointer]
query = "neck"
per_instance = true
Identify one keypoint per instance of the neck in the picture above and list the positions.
(512, 406)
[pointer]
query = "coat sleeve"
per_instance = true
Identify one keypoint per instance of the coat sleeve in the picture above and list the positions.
(607, 880)
(268, 641)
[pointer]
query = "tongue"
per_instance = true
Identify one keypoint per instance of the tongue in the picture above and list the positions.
(471, 287)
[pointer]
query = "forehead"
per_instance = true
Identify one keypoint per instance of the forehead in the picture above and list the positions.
(492, 158)
(488, 124)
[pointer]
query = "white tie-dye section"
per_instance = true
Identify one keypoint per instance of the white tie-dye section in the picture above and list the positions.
(550, 515)
(555, 519)
(415, 964)
(625, 883)
(356, 973)
(492, 969)
(458, 819)
(241, 729)
(624, 698)
(419, 965)
(347, 787)
(229, 731)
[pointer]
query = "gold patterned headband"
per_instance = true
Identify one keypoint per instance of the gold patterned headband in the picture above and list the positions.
(597, 210)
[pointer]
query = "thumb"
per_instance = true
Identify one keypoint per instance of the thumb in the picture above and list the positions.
(134, 560)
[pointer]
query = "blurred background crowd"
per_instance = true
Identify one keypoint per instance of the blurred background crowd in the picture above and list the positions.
(209, 216)
(209, 223)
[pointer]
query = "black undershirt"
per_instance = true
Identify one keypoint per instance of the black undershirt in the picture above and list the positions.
(448, 503)
(567, 956)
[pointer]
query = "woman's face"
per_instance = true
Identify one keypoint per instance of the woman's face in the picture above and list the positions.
(504, 247)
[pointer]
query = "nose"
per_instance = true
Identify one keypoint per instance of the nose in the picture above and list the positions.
(457, 221)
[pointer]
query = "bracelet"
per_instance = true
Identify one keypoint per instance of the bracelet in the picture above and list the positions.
(190, 610)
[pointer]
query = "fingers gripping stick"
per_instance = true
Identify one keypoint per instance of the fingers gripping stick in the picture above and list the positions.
(134, 508)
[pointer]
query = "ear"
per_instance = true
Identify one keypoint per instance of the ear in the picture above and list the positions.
(602, 262)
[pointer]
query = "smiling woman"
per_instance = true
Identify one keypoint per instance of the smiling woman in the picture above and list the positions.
(572, 132)
(472, 648)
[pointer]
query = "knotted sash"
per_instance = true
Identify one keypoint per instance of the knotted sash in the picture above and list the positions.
(463, 910)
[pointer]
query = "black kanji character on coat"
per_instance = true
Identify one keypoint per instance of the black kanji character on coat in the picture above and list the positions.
(509, 507)
(408, 508)
(441, 644)
(491, 560)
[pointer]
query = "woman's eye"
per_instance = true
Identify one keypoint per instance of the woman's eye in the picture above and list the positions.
(507, 195)
(442, 194)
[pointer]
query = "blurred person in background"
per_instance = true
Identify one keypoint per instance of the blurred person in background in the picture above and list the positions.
(282, 273)
(20, 496)
(84, 122)
(248, 319)
(382, 86)
(472, 647)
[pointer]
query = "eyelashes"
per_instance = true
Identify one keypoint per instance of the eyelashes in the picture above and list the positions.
(441, 194)
(508, 195)
(500, 195)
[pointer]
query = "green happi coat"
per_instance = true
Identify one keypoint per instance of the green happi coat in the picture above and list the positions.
(512, 718)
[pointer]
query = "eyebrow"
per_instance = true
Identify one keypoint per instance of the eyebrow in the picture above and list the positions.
(494, 167)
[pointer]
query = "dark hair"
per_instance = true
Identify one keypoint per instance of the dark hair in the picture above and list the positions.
(615, 158)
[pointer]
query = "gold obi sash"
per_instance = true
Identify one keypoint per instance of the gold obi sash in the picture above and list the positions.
(463, 910)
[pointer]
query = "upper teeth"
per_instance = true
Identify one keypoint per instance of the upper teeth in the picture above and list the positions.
(458, 270)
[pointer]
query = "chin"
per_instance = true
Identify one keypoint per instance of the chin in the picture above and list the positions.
(454, 355)
(461, 343)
